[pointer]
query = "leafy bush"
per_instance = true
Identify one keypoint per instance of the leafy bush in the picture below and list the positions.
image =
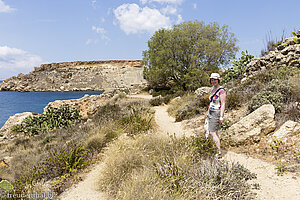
(266, 97)
(53, 118)
(233, 100)
(282, 73)
(280, 169)
(61, 163)
(198, 105)
(280, 86)
(67, 160)
(5, 185)
(238, 69)
(277, 92)
(157, 101)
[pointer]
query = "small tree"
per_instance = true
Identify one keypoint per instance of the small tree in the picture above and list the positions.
(183, 56)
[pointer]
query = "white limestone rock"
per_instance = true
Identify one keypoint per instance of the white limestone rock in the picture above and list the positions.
(253, 126)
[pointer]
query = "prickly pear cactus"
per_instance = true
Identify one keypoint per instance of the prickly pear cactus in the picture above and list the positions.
(4, 184)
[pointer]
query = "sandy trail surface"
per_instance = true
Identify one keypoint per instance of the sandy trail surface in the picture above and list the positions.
(86, 189)
(272, 187)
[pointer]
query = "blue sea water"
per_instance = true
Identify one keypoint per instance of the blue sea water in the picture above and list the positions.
(17, 102)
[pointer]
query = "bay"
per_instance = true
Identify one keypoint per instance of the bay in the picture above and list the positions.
(18, 102)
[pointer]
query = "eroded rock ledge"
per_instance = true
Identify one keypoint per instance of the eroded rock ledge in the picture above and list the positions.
(79, 76)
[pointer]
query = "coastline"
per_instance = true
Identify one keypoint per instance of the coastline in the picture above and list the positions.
(19, 102)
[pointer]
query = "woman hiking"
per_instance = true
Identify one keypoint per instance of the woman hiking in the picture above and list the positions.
(216, 109)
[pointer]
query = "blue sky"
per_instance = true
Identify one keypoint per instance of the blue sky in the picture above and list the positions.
(33, 32)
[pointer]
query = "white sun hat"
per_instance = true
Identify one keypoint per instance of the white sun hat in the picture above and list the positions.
(215, 76)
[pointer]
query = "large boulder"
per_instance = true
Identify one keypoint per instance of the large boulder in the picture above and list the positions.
(87, 105)
(5, 131)
(202, 91)
(253, 126)
(288, 129)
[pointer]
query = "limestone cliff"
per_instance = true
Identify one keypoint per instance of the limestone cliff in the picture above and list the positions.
(79, 76)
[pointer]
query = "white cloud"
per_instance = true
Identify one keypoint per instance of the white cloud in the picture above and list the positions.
(14, 61)
(162, 1)
(101, 32)
(94, 3)
(133, 19)
(194, 5)
(5, 8)
(169, 10)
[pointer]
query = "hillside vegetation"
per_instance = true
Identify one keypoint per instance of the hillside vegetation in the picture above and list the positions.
(141, 163)
(49, 160)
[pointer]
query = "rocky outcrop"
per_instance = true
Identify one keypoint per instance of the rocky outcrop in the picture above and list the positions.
(202, 91)
(286, 54)
(253, 126)
(5, 131)
(87, 105)
(79, 76)
(288, 129)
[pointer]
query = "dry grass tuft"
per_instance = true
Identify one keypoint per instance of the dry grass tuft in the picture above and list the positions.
(152, 167)
(55, 157)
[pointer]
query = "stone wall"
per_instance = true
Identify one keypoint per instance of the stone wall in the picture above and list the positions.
(79, 76)
(287, 54)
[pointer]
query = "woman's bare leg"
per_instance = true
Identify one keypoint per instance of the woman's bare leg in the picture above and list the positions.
(216, 139)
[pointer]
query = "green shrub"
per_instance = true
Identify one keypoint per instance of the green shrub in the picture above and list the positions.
(281, 73)
(192, 108)
(157, 101)
(53, 118)
(280, 169)
(280, 86)
(238, 68)
(7, 186)
(266, 97)
(67, 160)
(63, 162)
(233, 100)
(225, 125)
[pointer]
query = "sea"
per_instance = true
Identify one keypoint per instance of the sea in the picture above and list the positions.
(18, 102)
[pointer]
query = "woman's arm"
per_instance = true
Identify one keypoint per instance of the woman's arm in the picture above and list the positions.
(223, 103)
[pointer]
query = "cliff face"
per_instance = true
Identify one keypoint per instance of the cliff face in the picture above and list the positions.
(79, 76)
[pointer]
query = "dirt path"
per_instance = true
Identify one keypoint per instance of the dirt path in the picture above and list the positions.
(167, 124)
(273, 187)
(86, 189)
